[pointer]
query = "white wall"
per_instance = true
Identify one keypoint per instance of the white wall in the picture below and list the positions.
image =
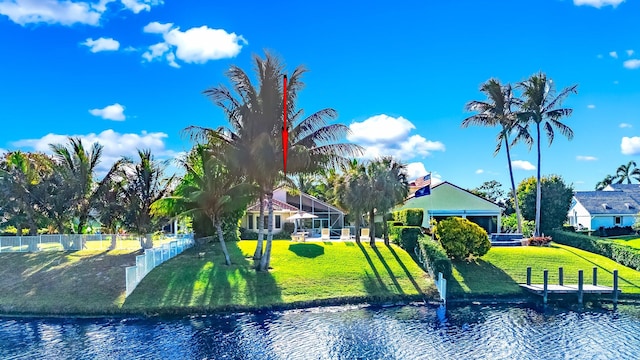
(579, 215)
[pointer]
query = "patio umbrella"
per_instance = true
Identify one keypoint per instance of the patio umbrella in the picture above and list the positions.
(300, 215)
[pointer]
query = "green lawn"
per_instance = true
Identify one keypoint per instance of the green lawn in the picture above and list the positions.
(55, 282)
(302, 273)
(629, 240)
(502, 268)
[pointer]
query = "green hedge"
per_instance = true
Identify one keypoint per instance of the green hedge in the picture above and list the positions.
(405, 236)
(433, 257)
(409, 217)
(622, 254)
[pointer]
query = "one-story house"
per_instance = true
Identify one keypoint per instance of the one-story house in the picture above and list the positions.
(615, 205)
(447, 200)
(287, 204)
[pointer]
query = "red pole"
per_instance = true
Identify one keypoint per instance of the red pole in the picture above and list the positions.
(285, 132)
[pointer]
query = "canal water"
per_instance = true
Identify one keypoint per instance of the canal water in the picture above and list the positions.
(403, 332)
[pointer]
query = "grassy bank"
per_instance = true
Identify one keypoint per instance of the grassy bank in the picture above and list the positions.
(499, 271)
(80, 282)
(301, 274)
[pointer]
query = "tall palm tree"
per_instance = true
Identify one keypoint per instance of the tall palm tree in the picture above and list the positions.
(540, 106)
(353, 193)
(497, 110)
(627, 173)
(389, 188)
(608, 180)
(255, 116)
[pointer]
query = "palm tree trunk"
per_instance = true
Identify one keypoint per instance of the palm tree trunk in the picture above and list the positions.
(114, 241)
(385, 230)
(372, 228)
(357, 217)
(266, 257)
(538, 194)
(257, 255)
(223, 246)
(513, 187)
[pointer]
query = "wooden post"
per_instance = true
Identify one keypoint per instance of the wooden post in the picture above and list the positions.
(529, 275)
(560, 276)
(615, 286)
(595, 276)
(580, 285)
(545, 286)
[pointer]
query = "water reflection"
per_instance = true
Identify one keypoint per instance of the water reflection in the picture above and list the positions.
(407, 332)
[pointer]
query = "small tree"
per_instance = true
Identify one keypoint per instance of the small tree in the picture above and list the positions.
(462, 238)
(636, 225)
(556, 201)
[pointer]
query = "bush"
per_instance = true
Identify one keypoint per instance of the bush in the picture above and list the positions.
(510, 224)
(462, 238)
(568, 228)
(433, 257)
(622, 254)
(409, 217)
(288, 228)
(405, 236)
(539, 241)
(248, 234)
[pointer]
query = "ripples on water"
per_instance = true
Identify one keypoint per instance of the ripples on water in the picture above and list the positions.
(407, 332)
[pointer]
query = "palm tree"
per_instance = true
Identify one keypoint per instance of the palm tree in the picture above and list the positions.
(110, 206)
(353, 193)
(627, 173)
(497, 111)
(608, 180)
(389, 188)
(255, 116)
(540, 107)
(145, 184)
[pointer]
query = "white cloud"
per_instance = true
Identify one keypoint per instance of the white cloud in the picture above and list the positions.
(613, 54)
(522, 165)
(629, 52)
(416, 170)
(102, 44)
(591, 106)
(385, 135)
(630, 145)
(626, 125)
(597, 3)
(586, 158)
(479, 171)
(115, 145)
(195, 45)
(62, 12)
(632, 64)
(112, 112)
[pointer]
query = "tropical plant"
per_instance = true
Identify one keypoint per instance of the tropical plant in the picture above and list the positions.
(497, 110)
(540, 106)
(353, 192)
(556, 196)
(462, 238)
(389, 188)
(627, 173)
(608, 180)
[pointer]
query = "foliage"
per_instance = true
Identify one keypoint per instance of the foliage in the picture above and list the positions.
(555, 198)
(627, 173)
(614, 231)
(434, 257)
(409, 217)
(405, 236)
(636, 225)
(539, 240)
(509, 224)
(622, 254)
(608, 180)
(462, 238)
(490, 190)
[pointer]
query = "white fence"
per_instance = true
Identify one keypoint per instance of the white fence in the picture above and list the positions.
(441, 284)
(70, 242)
(152, 258)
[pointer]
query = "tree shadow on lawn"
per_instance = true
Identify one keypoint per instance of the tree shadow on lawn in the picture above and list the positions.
(599, 267)
(307, 250)
(406, 271)
(373, 286)
(481, 278)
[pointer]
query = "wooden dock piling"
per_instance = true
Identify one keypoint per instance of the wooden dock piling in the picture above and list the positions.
(580, 286)
(595, 276)
(615, 286)
(545, 289)
(529, 275)
(560, 276)
(546, 286)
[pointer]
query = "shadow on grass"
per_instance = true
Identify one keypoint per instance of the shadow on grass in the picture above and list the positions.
(351, 243)
(406, 271)
(206, 283)
(373, 286)
(481, 278)
(307, 250)
(389, 271)
(598, 266)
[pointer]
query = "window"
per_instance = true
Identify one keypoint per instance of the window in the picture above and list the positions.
(617, 220)
(277, 226)
(265, 221)
(250, 221)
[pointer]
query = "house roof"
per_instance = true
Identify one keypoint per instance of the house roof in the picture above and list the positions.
(277, 206)
(411, 196)
(629, 188)
(613, 202)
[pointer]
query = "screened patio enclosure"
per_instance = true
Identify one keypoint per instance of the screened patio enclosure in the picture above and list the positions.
(327, 216)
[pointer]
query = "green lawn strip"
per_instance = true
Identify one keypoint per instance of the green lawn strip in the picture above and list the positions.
(302, 273)
(53, 282)
(502, 268)
(630, 241)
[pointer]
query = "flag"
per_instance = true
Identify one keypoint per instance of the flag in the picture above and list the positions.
(423, 191)
(423, 181)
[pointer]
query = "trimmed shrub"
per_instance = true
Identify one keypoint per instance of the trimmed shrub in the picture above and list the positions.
(622, 254)
(405, 236)
(248, 234)
(462, 238)
(433, 257)
(288, 228)
(409, 217)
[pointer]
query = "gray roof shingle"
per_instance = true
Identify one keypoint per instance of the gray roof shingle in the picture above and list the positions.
(622, 200)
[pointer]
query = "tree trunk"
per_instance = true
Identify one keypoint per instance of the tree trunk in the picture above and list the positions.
(357, 217)
(538, 192)
(257, 255)
(113, 242)
(217, 225)
(266, 257)
(148, 241)
(513, 187)
(385, 229)
(18, 229)
(372, 228)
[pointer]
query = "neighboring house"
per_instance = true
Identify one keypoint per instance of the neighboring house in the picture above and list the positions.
(286, 204)
(615, 205)
(447, 200)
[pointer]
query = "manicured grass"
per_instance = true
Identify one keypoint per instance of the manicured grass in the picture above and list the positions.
(302, 274)
(52, 282)
(629, 240)
(502, 268)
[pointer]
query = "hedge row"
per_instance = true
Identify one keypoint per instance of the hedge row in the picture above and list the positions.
(433, 257)
(409, 217)
(622, 254)
(405, 236)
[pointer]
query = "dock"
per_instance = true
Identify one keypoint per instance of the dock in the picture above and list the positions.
(545, 289)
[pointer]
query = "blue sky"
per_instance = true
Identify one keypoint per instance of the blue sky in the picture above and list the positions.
(130, 74)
